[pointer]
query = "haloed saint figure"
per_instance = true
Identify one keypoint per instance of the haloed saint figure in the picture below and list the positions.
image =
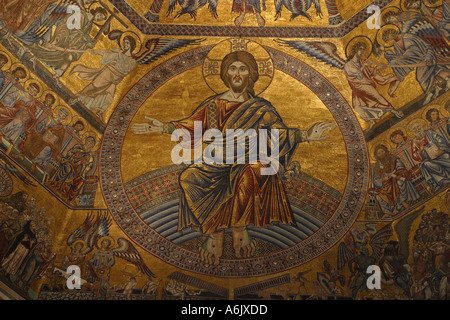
(220, 196)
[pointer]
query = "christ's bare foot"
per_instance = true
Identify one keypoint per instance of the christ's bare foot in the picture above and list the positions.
(212, 249)
(244, 246)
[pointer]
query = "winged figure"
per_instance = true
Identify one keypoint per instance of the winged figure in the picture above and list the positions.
(354, 251)
(361, 73)
(54, 13)
(157, 47)
(330, 280)
(416, 44)
(117, 63)
(94, 234)
(190, 7)
(128, 252)
(30, 20)
(94, 227)
(428, 32)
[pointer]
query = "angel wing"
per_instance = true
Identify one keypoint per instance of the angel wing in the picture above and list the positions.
(346, 252)
(93, 228)
(158, 47)
(379, 239)
(57, 13)
(127, 251)
(8, 166)
(171, 8)
(212, 6)
(323, 51)
(428, 32)
(402, 229)
(300, 274)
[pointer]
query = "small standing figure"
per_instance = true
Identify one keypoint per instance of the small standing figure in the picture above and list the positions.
(391, 179)
(150, 287)
(75, 167)
(300, 278)
(433, 153)
(248, 6)
(128, 288)
(102, 262)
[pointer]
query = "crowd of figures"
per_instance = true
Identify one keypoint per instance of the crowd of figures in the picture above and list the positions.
(27, 254)
(26, 245)
(44, 137)
(419, 270)
(424, 276)
(414, 169)
(431, 252)
(49, 35)
(410, 40)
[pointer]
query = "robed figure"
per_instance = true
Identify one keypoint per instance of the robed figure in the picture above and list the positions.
(221, 195)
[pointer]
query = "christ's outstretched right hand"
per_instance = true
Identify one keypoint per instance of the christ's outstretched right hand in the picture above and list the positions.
(151, 127)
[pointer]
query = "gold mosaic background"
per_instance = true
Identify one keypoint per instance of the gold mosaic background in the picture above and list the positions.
(35, 276)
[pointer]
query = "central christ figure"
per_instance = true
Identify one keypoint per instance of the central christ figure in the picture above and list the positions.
(216, 197)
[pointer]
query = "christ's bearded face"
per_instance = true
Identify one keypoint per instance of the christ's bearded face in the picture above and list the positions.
(238, 74)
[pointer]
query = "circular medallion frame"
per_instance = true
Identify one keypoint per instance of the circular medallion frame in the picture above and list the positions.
(142, 234)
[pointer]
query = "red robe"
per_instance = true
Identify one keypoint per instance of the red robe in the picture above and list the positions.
(216, 197)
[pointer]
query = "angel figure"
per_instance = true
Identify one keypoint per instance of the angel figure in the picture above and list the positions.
(300, 278)
(362, 75)
(104, 259)
(354, 252)
(93, 233)
(117, 63)
(415, 44)
(62, 44)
